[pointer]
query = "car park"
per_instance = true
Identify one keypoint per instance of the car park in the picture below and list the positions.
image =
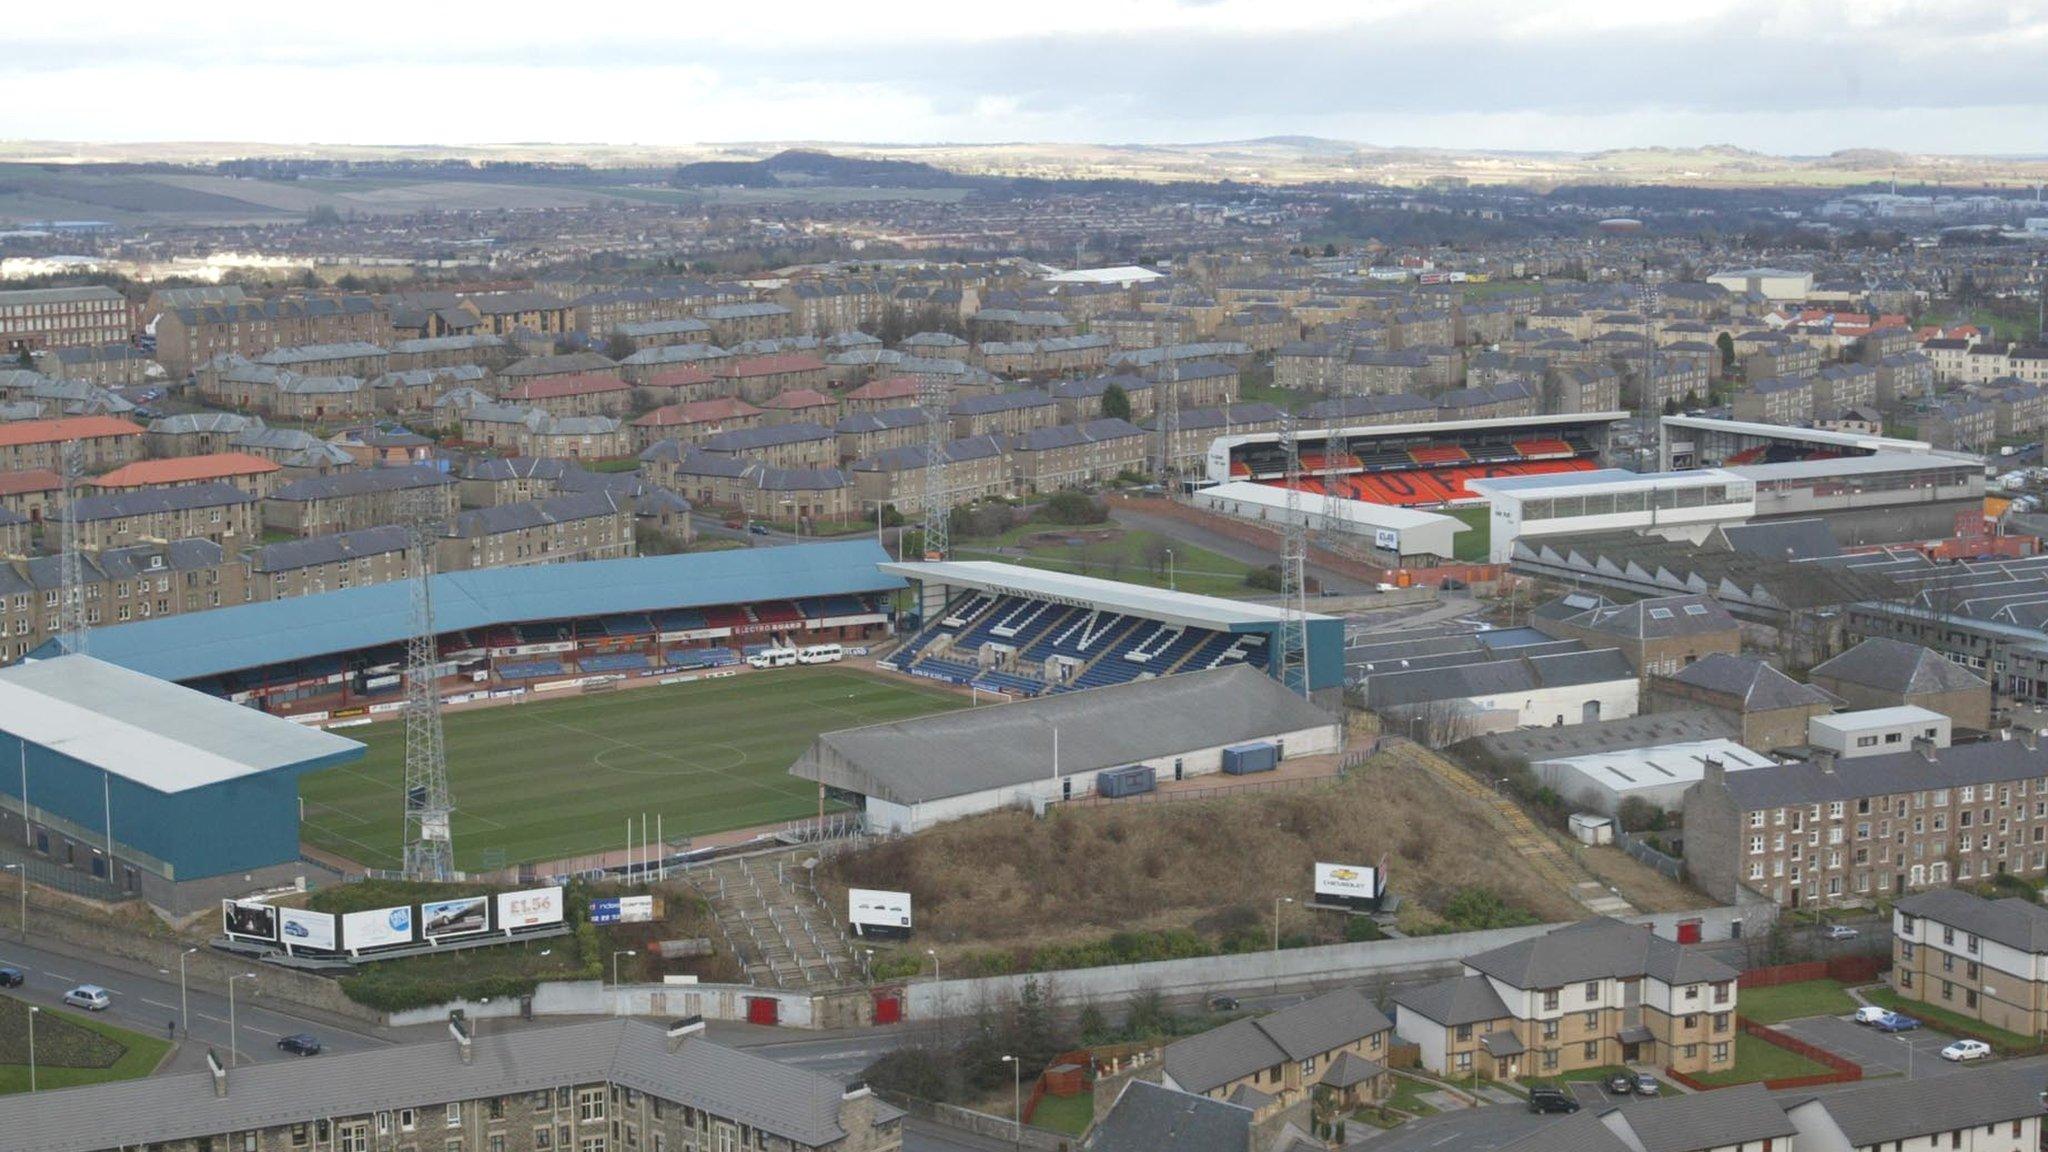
(90, 997)
(1647, 1085)
(1871, 1014)
(1966, 1050)
(299, 1044)
(11, 977)
(1550, 1099)
(1896, 1022)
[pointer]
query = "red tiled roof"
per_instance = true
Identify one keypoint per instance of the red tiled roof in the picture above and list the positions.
(29, 480)
(698, 412)
(64, 428)
(771, 365)
(186, 469)
(800, 398)
(583, 384)
(894, 388)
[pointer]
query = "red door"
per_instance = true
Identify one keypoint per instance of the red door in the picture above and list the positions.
(1689, 931)
(763, 1010)
(888, 1007)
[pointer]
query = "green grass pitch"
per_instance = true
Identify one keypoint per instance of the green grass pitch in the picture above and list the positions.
(552, 779)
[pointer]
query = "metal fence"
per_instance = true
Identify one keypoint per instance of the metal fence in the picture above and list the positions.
(1648, 856)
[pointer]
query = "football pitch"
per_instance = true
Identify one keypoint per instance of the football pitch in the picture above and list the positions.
(553, 779)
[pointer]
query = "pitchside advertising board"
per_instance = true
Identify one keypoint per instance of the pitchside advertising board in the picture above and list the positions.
(622, 910)
(875, 913)
(533, 908)
(1354, 884)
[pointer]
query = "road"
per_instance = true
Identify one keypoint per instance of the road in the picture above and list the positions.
(149, 1003)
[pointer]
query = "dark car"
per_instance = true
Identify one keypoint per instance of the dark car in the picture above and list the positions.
(1551, 1100)
(1222, 1003)
(300, 1044)
(1648, 1085)
(11, 977)
(1621, 1084)
(1453, 584)
(758, 529)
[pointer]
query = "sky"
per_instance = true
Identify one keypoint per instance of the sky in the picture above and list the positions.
(1785, 76)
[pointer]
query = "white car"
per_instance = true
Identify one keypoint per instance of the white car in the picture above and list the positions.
(1871, 1014)
(1841, 932)
(1966, 1050)
(90, 997)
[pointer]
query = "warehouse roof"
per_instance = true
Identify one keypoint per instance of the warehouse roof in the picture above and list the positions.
(1185, 608)
(187, 647)
(982, 749)
(1663, 765)
(156, 734)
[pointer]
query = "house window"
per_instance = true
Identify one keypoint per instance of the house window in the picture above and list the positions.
(1592, 1050)
(590, 1104)
(407, 1120)
(1550, 999)
(455, 1116)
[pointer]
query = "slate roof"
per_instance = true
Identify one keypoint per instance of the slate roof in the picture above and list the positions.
(287, 555)
(1986, 762)
(1755, 684)
(1728, 1118)
(211, 494)
(2021, 924)
(1870, 1114)
(1601, 948)
(499, 519)
(1660, 618)
(1896, 666)
(360, 482)
(766, 436)
(1148, 1117)
(1458, 1000)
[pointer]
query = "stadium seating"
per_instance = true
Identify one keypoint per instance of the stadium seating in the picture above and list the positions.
(680, 620)
(625, 624)
(1439, 454)
(531, 670)
(724, 616)
(543, 633)
(615, 662)
(702, 657)
(776, 612)
(1543, 449)
(828, 607)
(1009, 682)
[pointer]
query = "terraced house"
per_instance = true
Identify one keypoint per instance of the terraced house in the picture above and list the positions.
(1591, 994)
(212, 511)
(1337, 1040)
(609, 1086)
(1986, 959)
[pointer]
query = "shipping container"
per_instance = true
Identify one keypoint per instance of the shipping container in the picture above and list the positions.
(1115, 782)
(1245, 759)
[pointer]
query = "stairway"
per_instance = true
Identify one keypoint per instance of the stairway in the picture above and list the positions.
(771, 918)
(1542, 853)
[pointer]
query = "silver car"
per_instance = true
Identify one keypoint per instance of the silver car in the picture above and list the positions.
(90, 997)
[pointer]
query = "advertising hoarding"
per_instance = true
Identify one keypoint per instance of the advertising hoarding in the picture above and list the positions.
(529, 909)
(302, 929)
(1386, 538)
(1349, 882)
(879, 913)
(248, 920)
(459, 917)
(622, 910)
(377, 927)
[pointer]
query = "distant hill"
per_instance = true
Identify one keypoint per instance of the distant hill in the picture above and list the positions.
(799, 167)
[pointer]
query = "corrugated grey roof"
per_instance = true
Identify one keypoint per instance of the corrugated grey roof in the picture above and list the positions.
(1596, 949)
(1784, 539)
(1458, 1000)
(1150, 1118)
(782, 1100)
(957, 753)
(1895, 666)
(1986, 762)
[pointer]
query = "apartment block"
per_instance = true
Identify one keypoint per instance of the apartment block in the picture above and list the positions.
(1984, 959)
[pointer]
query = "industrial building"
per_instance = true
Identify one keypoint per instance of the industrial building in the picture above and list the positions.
(1876, 731)
(1683, 505)
(151, 789)
(908, 775)
(1657, 775)
(1395, 535)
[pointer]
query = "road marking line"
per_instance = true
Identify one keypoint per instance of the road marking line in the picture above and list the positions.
(262, 1031)
(65, 979)
(158, 1004)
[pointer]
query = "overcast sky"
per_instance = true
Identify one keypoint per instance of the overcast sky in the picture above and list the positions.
(1782, 76)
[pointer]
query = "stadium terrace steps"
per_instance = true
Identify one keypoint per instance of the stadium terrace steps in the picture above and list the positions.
(781, 931)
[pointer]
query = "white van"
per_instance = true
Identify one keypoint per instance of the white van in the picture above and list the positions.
(773, 658)
(820, 654)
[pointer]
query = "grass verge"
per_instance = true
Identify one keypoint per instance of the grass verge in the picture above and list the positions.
(71, 1049)
(1757, 1060)
(1793, 1001)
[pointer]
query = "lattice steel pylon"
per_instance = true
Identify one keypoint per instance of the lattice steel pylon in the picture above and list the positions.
(429, 847)
(71, 559)
(1167, 394)
(933, 395)
(1293, 646)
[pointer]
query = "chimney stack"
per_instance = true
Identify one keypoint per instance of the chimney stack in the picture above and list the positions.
(220, 1074)
(1924, 747)
(855, 1090)
(458, 1027)
(1713, 773)
(2030, 739)
(1824, 759)
(683, 1029)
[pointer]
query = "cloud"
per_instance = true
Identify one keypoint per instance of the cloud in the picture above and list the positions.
(1930, 75)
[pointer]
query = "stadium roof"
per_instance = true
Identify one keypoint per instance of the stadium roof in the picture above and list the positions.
(1183, 608)
(1336, 508)
(1878, 464)
(159, 735)
(1856, 440)
(1600, 479)
(982, 749)
(189, 647)
(1432, 428)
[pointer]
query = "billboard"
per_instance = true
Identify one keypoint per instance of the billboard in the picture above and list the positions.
(1386, 538)
(529, 909)
(377, 927)
(459, 917)
(303, 929)
(880, 913)
(248, 920)
(622, 910)
(1347, 881)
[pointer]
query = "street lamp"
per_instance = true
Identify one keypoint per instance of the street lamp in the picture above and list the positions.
(234, 1050)
(867, 964)
(32, 1010)
(1901, 1038)
(21, 871)
(184, 1005)
(935, 963)
(1277, 902)
(1170, 587)
(615, 963)
(1016, 1097)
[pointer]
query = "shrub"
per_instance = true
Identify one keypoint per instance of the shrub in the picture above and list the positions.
(1474, 909)
(1265, 579)
(1072, 508)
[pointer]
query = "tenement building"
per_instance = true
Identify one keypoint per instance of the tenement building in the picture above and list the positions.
(608, 1086)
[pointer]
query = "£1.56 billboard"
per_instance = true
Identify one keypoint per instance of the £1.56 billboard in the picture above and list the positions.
(876, 913)
(377, 927)
(529, 909)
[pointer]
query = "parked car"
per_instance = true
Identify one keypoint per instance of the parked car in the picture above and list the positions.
(1647, 1085)
(1222, 1003)
(1840, 932)
(1897, 1022)
(757, 529)
(1871, 1014)
(1453, 584)
(1621, 1084)
(1966, 1050)
(1548, 1099)
(299, 1044)
(11, 977)
(90, 997)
